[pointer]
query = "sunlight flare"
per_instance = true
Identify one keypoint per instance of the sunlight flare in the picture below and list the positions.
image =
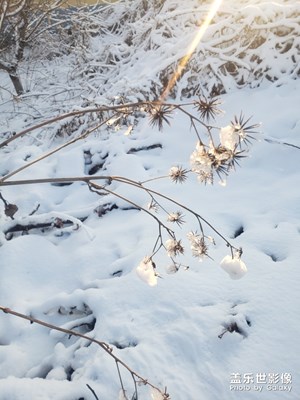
(176, 75)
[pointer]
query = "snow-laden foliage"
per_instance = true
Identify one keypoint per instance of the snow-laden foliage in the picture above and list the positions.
(128, 51)
(246, 44)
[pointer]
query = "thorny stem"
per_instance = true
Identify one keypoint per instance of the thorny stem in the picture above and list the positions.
(154, 200)
(191, 116)
(55, 180)
(70, 332)
(196, 130)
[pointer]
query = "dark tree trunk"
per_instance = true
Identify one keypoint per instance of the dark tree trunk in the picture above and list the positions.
(16, 81)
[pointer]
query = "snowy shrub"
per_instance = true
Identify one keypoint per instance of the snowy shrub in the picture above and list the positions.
(231, 54)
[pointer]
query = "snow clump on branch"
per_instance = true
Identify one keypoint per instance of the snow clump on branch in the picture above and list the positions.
(234, 266)
(146, 271)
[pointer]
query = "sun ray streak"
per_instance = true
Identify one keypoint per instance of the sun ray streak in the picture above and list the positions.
(182, 64)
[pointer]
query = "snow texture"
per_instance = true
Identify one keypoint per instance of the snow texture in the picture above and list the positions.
(197, 332)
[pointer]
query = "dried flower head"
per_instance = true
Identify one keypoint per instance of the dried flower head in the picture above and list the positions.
(178, 174)
(198, 246)
(205, 176)
(208, 109)
(159, 114)
(176, 217)
(243, 130)
(202, 163)
(207, 160)
(174, 247)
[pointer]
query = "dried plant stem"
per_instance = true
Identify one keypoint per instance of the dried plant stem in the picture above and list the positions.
(93, 391)
(94, 187)
(154, 192)
(120, 108)
(55, 180)
(275, 141)
(70, 332)
(49, 153)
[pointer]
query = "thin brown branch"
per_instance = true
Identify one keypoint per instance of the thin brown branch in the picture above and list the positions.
(274, 141)
(56, 180)
(127, 181)
(71, 332)
(198, 216)
(49, 153)
(67, 115)
(100, 109)
(93, 391)
(93, 186)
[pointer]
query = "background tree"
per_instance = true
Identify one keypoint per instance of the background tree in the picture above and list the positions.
(21, 21)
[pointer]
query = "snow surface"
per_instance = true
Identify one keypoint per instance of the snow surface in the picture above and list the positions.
(171, 333)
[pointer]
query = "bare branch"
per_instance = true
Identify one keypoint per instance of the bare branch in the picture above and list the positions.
(106, 347)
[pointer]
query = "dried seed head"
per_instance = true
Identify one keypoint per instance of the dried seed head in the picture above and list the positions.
(159, 114)
(208, 109)
(176, 217)
(178, 174)
(174, 247)
(198, 246)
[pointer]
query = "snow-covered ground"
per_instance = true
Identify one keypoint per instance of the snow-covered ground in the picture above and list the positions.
(83, 276)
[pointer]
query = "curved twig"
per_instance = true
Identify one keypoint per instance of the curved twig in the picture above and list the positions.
(70, 332)
(151, 192)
